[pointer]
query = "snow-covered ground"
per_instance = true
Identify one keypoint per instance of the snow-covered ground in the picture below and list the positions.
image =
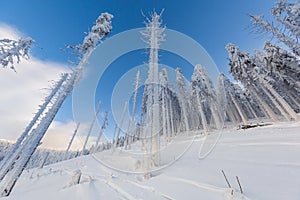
(266, 160)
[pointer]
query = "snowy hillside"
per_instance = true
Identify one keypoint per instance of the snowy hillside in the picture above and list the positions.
(266, 160)
(37, 158)
(178, 141)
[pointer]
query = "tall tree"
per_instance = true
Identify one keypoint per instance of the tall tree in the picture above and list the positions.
(154, 35)
(184, 98)
(253, 76)
(206, 98)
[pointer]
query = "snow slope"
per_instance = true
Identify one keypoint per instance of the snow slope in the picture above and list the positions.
(266, 160)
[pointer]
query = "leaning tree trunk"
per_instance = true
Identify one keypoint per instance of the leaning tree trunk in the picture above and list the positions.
(281, 110)
(215, 115)
(265, 106)
(286, 106)
(238, 107)
(252, 111)
(202, 115)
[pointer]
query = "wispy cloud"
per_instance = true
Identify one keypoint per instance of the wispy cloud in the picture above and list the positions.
(59, 135)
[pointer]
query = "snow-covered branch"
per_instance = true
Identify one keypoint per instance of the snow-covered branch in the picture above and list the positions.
(102, 28)
(12, 51)
(287, 30)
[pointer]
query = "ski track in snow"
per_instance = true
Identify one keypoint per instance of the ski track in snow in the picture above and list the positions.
(197, 184)
(151, 189)
(120, 191)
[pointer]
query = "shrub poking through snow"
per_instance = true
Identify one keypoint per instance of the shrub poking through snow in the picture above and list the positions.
(76, 176)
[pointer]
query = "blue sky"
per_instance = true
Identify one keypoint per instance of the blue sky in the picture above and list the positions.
(213, 23)
(53, 24)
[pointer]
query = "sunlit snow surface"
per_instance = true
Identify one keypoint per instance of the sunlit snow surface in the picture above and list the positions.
(266, 160)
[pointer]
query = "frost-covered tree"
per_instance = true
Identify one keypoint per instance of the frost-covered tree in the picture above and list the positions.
(44, 160)
(288, 14)
(170, 115)
(277, 64)
(130, 134)
(119, 126)
(39, 125)
(245, 69)
(184, 98)
(282, 66)
(241, 69)
(71, 141)
(233, 106)
(84, 149)
(285, 69)
(287, 30)
(104, 125)
(30, 144)
(277, 70)
(247, 103)
(165, 117)
(205, 96)
(101, 28)
(154, 35)
(11, 51)
(12, 154)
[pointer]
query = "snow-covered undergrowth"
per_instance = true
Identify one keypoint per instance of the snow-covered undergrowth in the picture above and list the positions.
(38, 156)
(266, 160)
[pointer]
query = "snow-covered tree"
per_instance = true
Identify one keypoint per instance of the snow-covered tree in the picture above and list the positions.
(44, 160)
(130, 134)
(232, 103)
(154, 35)
(184, 98)
(102, 28)
(205, 97)
(39, 125)
(11, 51)
(288, 29)
(119, 126)
(12, 154)
(240, 67)
(251, 74)
(288, 14)
(71, 141)
(33, 141)
(104, 124)
(170, 115)
(282, 65)
(84, 149)
(285, 69)
(165, 118)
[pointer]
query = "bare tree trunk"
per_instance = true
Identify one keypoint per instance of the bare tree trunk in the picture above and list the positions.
(202, 114)
(265, 106)
(285, 105)
(240, 110)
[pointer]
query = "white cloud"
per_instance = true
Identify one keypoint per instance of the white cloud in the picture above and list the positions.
(9, 32)
(59, 134)
(22, 92)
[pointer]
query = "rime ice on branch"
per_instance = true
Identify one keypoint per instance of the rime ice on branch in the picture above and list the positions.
(252, 73)
(102, 28)
(288, 29)
(12, 51)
